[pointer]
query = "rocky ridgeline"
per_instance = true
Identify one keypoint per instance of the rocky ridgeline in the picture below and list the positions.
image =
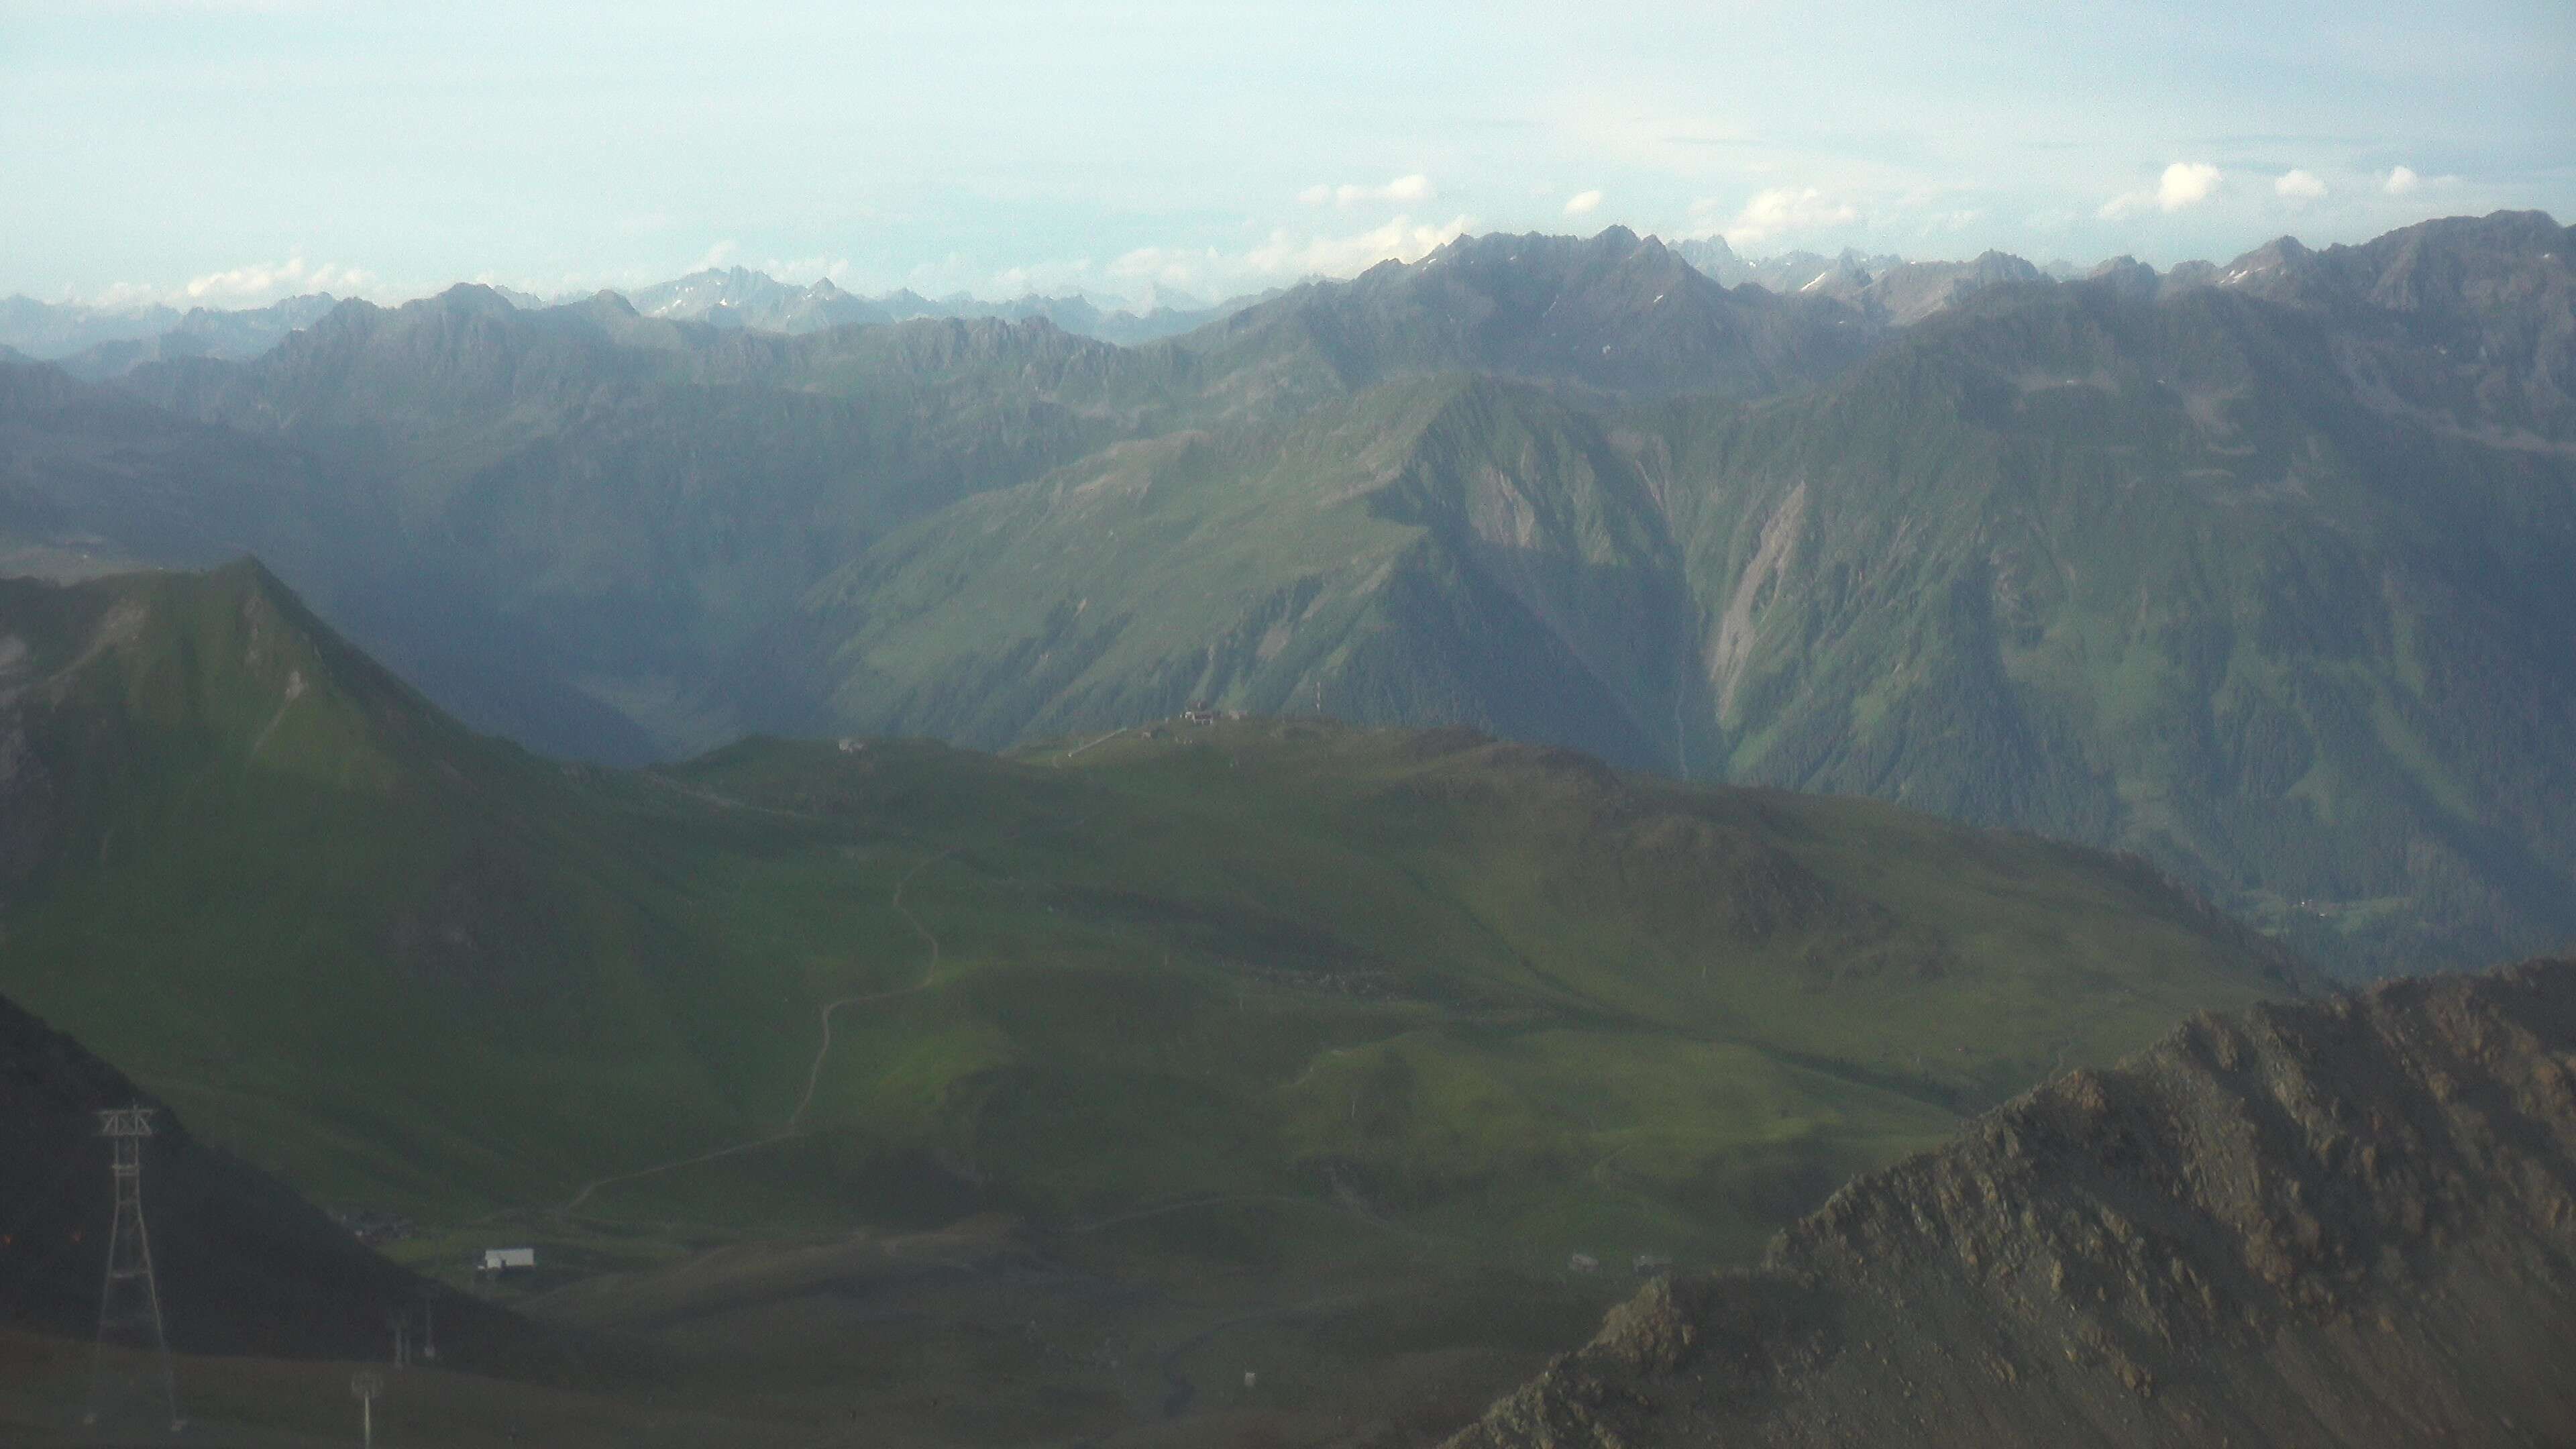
(2349, 1221)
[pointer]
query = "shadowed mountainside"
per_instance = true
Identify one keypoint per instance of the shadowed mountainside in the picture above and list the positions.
(2340, 1222)
(245, 1267)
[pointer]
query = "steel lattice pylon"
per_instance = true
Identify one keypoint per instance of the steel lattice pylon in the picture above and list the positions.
(130, 1373)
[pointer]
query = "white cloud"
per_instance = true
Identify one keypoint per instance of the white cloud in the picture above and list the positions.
(1583, 203)
(260, 283)
(1047, 279)
(1416, 187)
(1179, 268)
(2187, 184)
(120, 296)
(1400, 239)
(2184, 184)
(2401, 180)
(2298, 186)
(805, 271)
(1287, 256)
(1782, 211)
(719, 255)
(564, 285)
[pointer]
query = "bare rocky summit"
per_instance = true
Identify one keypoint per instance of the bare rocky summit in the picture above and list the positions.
(2343, 1222)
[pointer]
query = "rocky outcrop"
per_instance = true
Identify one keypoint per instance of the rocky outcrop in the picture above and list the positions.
(2342, 1222)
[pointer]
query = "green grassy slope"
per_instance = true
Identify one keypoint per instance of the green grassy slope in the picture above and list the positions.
(1448, 980)
(1315, 1045)
(1447, 548)
(331, 922)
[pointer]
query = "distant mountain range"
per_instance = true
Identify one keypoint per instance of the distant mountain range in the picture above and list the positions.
(2344, 1222)
(97, 342)
(2256, 569)
(737, 297)
(1792, 271)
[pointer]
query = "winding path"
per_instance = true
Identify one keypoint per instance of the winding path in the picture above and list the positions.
(813, 1070)
(1104, 739)
(929, 973)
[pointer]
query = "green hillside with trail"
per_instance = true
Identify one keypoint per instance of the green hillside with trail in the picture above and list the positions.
(1264, 1001)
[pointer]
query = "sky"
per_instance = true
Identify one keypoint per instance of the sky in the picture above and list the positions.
(229, 152)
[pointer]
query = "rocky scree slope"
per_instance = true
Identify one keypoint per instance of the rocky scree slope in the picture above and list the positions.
(2341, 1222)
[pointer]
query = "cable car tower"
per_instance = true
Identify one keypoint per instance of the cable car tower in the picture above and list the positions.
(129, 1302)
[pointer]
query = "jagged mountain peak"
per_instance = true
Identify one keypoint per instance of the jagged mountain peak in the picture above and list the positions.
(2004, 266)
(467, 299)
(2126, 276)
(2442, 262)
(460, 309)
(1909, 292)
(1613, 312)
(2468, 319)
(232, 652)
(2278, 263)
(1540, 252)
(740, 298)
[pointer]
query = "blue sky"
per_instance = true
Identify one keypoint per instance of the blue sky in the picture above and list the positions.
(231, 151)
